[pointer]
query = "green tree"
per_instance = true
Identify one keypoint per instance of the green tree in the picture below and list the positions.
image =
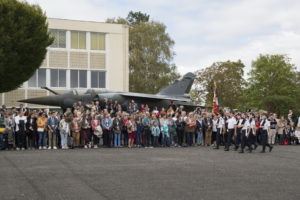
(229, 80)
(150, 53)
(272, 84)
(24, 38)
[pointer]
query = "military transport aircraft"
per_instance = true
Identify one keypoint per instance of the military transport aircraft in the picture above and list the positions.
(178, 93)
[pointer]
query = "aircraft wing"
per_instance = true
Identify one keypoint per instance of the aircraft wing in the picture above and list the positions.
(154, 96)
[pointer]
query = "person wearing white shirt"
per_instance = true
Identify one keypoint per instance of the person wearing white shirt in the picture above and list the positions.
(231, 126)
(252, 131)
(220, 128)
(238, 131)
(265, 128)
(245, 134)
(20, 121)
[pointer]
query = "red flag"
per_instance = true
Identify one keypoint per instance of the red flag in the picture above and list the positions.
(216, 106)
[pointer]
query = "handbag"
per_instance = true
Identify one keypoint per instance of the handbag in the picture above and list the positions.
(98, 131)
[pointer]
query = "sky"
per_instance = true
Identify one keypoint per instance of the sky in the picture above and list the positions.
(204, 31)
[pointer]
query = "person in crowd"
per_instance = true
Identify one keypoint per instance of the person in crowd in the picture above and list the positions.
(172, 129)
(41, 129)
(96, 132)
(208, 128)
(165, 136)
(155, 132)
(117, 126)
(281, 124)
(9, 128)
(252, 131)
(146, 136)
(31, 127)
(52, 131)
(65, 129)
(190, 128)
(199, 129)
(230, 132)
(214, 130)
(107, 128)
(245, 134)
(220, 126)
(20, 121)
(85, 131)
(124, 130)
(238, 131)
(273, 128)
(130, 130)
(265, 128)
(139, 131)
(180, 126)
(75, 129)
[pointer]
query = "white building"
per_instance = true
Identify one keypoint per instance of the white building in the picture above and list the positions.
(83, 55)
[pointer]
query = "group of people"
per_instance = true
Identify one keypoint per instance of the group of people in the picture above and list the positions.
(109, 124)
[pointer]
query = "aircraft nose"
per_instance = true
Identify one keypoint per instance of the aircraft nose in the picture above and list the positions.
(48, 100)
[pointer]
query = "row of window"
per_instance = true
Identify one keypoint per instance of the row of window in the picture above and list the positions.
(58, 78)
(78, 39)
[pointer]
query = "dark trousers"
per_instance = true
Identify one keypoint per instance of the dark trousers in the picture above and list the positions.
(148, 141)
(281, 138)
(107, 138)
(125, 137)
(264, 140)
(237, 138)
(95, 139)
(20, 139)
(245, 140)
(155, 141)
(218, 137)
(180, 133)
(228, 138)
(86, 136)
(189, 138)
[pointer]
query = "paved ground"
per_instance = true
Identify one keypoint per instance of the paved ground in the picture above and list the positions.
(170, 173)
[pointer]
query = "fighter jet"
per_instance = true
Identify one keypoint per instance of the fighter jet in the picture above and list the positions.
(178, 93)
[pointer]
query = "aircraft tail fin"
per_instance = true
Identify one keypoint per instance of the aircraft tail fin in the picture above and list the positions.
(180, 87)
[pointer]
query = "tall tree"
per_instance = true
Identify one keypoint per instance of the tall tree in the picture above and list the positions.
(229, 80)
(24, 39)
(272, 84)
(150, 53)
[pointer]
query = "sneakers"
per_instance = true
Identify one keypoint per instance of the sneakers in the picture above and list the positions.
(18, 149)
(54, 147)
(44, 147)
(85, 146)
(40, 148)
(23, 149)
(49, 148)
(95, 147)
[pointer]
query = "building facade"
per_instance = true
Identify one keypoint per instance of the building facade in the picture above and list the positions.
(84, 55)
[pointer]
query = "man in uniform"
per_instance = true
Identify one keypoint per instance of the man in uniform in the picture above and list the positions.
(265, 128)
(220, 128)
(231, 126)
(245, 134)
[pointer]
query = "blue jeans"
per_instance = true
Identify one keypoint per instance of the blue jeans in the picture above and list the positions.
(199, 137)
(117, 140)
(165, 140)
(42, 139)
(64, 139)
(138, 138)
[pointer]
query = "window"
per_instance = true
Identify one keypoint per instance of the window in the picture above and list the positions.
(97, 41)
(38, 79)
(58, 78)
(78, 78)
(78, 40)
(59, 38)
(98, 79)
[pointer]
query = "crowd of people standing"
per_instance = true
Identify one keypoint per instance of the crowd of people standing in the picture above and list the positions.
(108, 124)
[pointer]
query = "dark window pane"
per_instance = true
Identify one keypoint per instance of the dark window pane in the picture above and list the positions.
(32, 81)
(74, 78)
(102, 80)
(41, 77)
(82, 78)
(94, 79)
(54, 77)
(62, 78)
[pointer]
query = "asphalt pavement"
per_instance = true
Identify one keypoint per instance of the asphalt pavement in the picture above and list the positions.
(158, 173)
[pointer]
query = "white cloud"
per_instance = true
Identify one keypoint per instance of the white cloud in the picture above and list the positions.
(204, 31)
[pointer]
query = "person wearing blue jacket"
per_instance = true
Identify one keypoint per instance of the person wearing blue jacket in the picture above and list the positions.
(155, 133)
(165, 136)
(107, 127)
